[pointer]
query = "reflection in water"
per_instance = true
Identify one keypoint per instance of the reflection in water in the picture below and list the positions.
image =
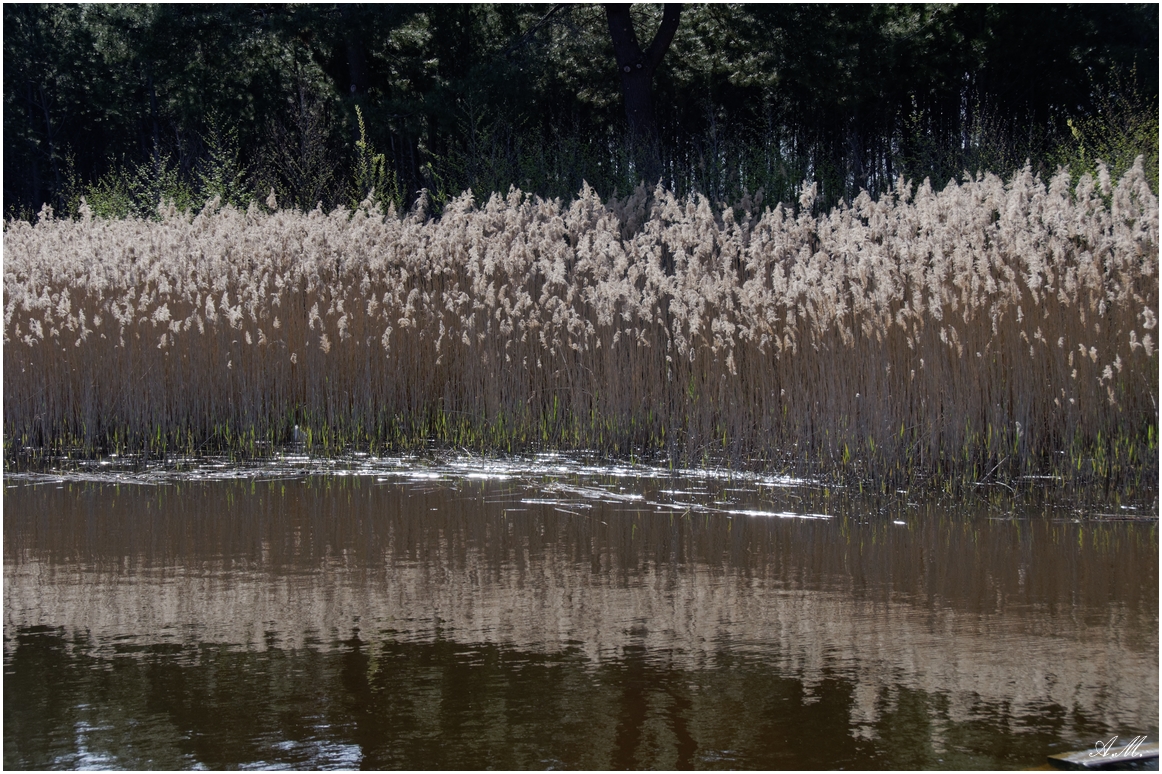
(424, 618)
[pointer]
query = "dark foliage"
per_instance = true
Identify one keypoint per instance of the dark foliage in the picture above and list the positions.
(130, 104)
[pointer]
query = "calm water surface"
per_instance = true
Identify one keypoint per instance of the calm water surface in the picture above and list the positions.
(552, 614)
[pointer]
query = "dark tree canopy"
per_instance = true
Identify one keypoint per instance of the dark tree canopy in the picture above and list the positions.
(127, 104)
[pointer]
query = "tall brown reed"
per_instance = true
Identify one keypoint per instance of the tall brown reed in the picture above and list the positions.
(980, 328)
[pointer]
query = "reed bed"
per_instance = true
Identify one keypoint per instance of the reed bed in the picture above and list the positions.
(984, 331)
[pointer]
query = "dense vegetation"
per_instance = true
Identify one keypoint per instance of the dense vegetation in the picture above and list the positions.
(987, 330)
(235, 236)
(128, 105)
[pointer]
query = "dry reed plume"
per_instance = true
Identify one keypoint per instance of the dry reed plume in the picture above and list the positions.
(988, 328)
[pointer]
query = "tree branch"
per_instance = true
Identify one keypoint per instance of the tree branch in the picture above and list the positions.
(665, 35)
(528, 35)
(626, 48)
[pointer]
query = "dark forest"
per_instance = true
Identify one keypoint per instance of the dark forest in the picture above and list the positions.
(132, 105)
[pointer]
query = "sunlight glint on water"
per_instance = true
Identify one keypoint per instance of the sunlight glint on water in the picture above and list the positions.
(556, 613)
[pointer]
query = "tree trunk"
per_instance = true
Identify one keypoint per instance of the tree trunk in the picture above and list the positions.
(356, 53)
(52, 155)
(636, 68)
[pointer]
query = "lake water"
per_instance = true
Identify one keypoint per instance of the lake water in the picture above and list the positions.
(555, 613)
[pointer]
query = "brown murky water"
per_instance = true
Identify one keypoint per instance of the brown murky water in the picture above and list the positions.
(550, 614)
